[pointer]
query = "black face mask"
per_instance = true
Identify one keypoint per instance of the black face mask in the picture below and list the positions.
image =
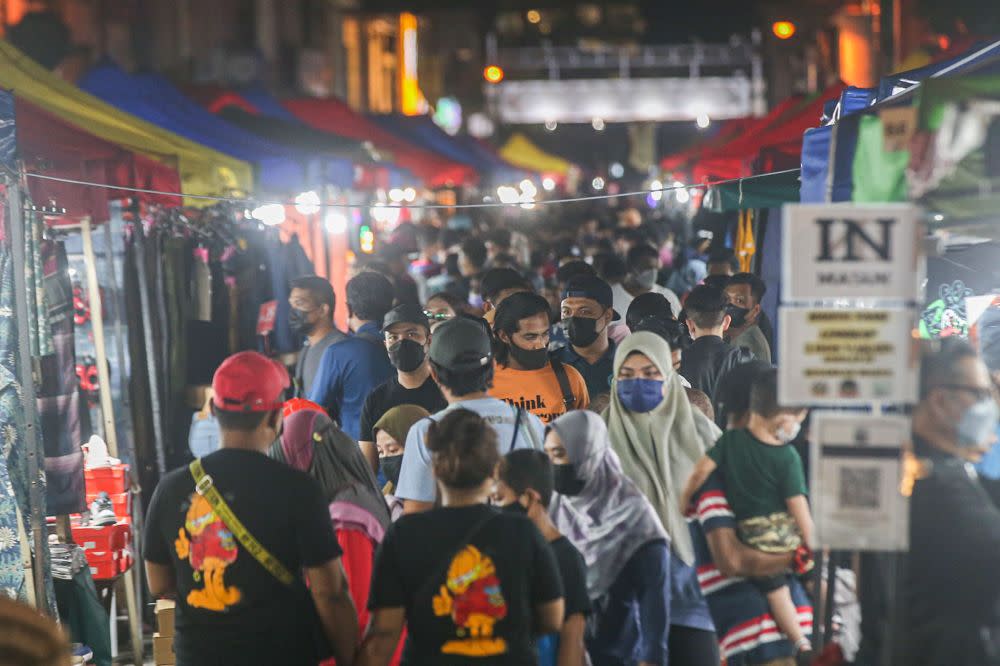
(407, 355)
(298, 323)
(515, 507)
(737, 315)
(582, 331)
(391, 466)
(566, 481)
(530, 359)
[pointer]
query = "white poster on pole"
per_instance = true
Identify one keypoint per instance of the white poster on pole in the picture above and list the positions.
(851, 251)
(857, 470)
(845, 357)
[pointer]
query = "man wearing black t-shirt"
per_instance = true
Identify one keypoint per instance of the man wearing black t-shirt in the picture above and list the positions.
(526, 487)
(407, 334)
(231, 608)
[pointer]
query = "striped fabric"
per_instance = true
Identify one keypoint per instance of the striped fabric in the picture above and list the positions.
(743, 622)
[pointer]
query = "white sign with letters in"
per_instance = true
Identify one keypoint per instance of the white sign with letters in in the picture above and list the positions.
(851, 251)
(841, 357)
(857, 473)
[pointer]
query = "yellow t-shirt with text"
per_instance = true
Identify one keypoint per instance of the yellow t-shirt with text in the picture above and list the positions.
(537, 391)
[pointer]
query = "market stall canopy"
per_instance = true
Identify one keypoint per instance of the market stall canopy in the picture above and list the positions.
(296, 133)
(49, 146)
(862, 169)
(728, 130)
(521, 152)
(331, 115)
(423, 132)
(203, 171)
(736, 158)
(280, 169)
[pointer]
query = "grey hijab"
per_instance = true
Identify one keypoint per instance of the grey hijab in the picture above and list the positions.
(611, 518)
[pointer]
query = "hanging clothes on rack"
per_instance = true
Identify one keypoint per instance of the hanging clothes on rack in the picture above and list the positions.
(15, 480)
(58, 394)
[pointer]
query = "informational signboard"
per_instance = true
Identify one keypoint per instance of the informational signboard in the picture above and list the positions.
(843, 357)
(857, 471)
(851, 251)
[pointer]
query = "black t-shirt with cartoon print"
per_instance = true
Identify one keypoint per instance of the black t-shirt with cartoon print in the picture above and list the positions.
(230, 609)
(470, 601)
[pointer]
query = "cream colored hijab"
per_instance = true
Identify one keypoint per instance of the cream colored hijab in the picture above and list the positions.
(658, 449)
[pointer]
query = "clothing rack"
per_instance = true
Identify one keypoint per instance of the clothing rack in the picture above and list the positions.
(131, 579)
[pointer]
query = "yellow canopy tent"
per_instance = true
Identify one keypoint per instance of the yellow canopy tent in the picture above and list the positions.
(521, 152)
(202, 170)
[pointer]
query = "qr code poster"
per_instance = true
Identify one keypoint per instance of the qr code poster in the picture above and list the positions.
(855, 481)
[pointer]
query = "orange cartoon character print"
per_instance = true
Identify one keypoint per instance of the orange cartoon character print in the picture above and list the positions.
(472, 597)
(210, 548)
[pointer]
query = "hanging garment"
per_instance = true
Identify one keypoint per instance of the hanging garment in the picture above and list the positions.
(14, 477)
(57, 394)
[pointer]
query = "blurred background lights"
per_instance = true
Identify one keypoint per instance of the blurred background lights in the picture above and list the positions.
(307, 203)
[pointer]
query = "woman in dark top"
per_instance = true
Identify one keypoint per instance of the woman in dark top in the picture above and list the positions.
(472, 584)
(614, 526)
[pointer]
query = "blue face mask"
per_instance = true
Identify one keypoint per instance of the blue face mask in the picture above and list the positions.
(640, 395)
(978, 423)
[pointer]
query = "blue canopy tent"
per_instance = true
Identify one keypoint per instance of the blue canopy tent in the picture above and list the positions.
(268, 105)
(835, 145)
(422, 131)
(153, 98)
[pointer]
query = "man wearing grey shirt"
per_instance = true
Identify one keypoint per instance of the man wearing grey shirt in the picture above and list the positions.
(313, 302)
(461, 360)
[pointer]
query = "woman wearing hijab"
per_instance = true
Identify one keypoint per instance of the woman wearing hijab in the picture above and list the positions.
(390, 439)
(613, 525)
(311, 442)
(659, 437)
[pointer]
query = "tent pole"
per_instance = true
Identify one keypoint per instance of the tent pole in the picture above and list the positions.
(147, 331)
(26, 377)
(101, 352)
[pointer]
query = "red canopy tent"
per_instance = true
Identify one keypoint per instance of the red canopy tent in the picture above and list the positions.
(730, 130)
(334, 116)
(784, 126)
(50, 146)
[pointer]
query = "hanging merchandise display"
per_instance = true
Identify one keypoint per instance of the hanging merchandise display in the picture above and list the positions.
(59, 408)
(22, 478)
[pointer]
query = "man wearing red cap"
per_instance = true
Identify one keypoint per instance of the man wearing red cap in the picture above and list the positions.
(235, 536)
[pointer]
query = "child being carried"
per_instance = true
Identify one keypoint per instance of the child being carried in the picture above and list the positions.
(766, 489)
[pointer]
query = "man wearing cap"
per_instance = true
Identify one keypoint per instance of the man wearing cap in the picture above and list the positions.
(461, 362)
(587, 314)
(407, 334)
(352, 368)
(236, 605)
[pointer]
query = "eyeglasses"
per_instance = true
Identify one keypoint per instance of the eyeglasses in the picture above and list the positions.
(438, 316)
(978, 392)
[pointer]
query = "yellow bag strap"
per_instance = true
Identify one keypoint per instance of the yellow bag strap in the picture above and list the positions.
(205, 487)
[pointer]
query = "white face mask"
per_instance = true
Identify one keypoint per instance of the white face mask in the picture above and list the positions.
(786, 434)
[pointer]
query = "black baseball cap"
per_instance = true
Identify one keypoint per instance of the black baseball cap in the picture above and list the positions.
(408, 313)
(461, 344)
(594, 288)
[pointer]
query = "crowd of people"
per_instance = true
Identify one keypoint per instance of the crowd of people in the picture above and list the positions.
(560, 446)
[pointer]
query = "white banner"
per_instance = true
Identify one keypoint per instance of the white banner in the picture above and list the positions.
(843, 357)
(851, 251)
(856, 465)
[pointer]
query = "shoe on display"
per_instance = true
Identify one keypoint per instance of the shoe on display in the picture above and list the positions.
(102, 511)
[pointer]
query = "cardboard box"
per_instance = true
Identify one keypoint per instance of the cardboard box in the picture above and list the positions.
(163, 650)
(165, 617)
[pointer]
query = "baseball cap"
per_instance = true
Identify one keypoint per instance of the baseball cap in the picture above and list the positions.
(461, 344)
(594, 288)
(249, 382)
(408, 313)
